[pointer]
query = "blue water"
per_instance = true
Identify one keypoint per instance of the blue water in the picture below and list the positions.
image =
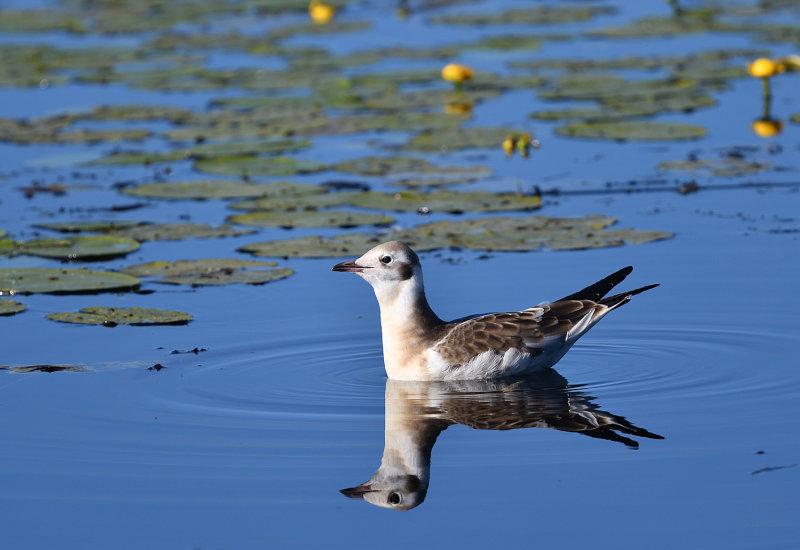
(248, 442)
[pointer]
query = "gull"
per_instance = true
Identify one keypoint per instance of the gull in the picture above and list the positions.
(418, 345)
(418, 412)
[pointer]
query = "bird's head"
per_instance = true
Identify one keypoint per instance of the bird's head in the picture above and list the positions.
(387, 267)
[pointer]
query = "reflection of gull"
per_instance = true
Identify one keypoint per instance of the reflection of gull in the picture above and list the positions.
(417, 412)
(417, 345)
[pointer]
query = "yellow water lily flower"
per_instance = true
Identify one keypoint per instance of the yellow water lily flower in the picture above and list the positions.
(763, 68)
(453, 72)
(320, 12)
(509, 144)
(766, 127)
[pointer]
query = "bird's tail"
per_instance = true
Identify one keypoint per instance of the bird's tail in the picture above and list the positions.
(602, 287)
(622, 298)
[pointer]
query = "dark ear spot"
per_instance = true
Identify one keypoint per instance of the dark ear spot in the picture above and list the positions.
(404, 270)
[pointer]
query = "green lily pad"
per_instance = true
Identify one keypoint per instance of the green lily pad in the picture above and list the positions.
(54, 131)
(81, 248)
(425, 181)
(91, 226)
(310, 218)
(178, 232)
(613, 110)
(510, 234)
(258, 166)
(208, 151)
(440, 200)
(725, 167)
(210, 272)
(537, 15)
(381, 166)
(220, 189)
(10, 307)
(62, 281)
(632, 131)
(454, 139)
(113, 316)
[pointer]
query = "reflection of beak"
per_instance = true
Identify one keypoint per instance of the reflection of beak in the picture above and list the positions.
(358, 491)
(352, 267)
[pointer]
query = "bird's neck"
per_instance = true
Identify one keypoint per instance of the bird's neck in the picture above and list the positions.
(408, 324)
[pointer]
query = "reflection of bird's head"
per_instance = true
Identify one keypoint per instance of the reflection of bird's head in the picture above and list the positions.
(395, 491)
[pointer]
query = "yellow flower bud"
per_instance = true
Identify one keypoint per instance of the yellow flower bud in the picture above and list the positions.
(766, 127)
(453, 72)
(458, 108)
(508, 145)
(320, 12)
(762, 67)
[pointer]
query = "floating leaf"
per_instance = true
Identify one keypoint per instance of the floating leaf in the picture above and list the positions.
(82, 248)
(92, 226)
(726, 167)
(632, 130)
(537, 15)
(310, 218)
(210, 272)
(178, 232)
(45, 368)
(62, 281)
(436, 181)
(440, 200)
(221, 189)
(208, 151)
(453, 139)
(113, 316)
(622, 110)
(511, 234)
(10, 307)
(380, 166)
(258, 166)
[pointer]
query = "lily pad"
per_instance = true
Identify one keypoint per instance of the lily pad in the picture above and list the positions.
(10, 307)
(81, 248)
(258, 166)
(622, 110)
(62, 281)
(537, 15)
(453, 139)
(511, 234)
(208, 151)
(632, 131)
(381, 166)
(178, 232)
(440, 200)
(725, 167)
(113, 316)
(210, 272)
(310, 218)
(220, 189)
(91, 226)
(423, 181)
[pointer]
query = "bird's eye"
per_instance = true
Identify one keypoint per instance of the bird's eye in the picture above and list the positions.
(395, 498)
(386, 259)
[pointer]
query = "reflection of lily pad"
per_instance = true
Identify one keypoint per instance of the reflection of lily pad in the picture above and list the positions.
(258, 166)
(632, 130)
(113, 316)
(178, 232)
(440, 200)
(220, 189)
(62, 281)
(91, 226)
(310, 218)
(210, 272)
(513, 234)
(10, 307)
(83, 248)
(453, 139)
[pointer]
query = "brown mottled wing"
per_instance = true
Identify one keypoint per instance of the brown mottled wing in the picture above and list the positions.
(529, 330)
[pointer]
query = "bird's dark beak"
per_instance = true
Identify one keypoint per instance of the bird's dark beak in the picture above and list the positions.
(351, 267)
(356, 492)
